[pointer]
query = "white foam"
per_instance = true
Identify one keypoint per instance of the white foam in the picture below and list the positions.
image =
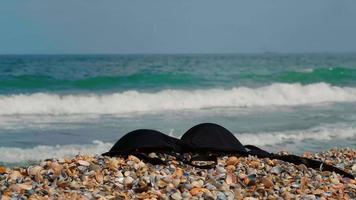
(16, 155)
(132, 101)
(321, 133)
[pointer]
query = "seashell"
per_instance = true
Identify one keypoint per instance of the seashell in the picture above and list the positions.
(230, 168)
(303, 183)
(220, 169)
(231, 178)
(25, 186)
(177, 196)
(57, 168)
(3, 170)
(338, 186)
(197, 184)
(197, 191)
(120, 180)
(307, 155)
(250, 179)
(353, 168)
(276, 170)
(152, 155)
(186, 195)
(161, 184)
(233, 160)
(113, 163)
(33, 171)
(221, 196)
(178, 173)
(334, 180)
(74, 185)
(14, 175)
(83, 163)
(270, 162)
(128, 181)
(255, 164)
(133, 158)
(99, 177)
(267, 182)
(127, 173)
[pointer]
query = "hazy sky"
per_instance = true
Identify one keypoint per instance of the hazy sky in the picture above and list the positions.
(180, 26)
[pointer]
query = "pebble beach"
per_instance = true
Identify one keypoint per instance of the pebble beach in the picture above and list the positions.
(98, 177)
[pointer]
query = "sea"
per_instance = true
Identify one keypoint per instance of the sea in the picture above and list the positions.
(56, 106)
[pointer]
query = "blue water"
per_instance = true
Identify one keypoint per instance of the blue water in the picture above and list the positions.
(60, 105)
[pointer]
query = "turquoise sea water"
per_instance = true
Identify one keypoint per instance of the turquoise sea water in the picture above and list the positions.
(61, 105)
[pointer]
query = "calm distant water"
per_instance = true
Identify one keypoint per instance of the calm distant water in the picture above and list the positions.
(56, 106)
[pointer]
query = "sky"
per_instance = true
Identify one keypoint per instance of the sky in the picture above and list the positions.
(181, 26)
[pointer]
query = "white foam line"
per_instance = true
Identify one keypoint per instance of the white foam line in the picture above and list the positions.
(318, 133)
(133, 101)
(16, 155)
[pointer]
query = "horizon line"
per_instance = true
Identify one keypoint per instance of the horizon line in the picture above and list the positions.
(225, 53)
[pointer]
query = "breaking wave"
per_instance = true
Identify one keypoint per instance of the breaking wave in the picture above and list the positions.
(278, 94)
(316, 133)
(17, 155)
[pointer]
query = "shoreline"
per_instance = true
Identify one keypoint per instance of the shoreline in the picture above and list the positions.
(98, 177)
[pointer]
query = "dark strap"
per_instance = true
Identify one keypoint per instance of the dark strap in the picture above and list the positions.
(315, 164)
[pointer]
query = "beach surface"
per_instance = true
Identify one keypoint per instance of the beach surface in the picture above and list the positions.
(98, 177)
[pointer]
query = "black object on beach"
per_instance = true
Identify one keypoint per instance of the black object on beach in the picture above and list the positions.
(213, 138)
(143, 141)
(205, 142)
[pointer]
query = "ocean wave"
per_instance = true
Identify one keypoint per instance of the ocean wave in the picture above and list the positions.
(133, 101)
(17, 155)
(321, 133)
(326, 132)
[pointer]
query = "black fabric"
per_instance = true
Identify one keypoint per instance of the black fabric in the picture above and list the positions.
(145, 140)
(213, 138)
(206, 142)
